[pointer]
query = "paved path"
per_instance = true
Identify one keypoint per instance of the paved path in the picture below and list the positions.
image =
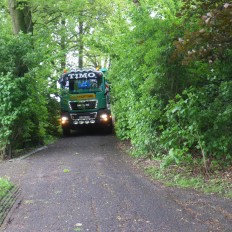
(83, 183)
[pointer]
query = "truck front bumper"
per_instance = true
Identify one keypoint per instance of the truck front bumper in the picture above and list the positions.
(75, 120)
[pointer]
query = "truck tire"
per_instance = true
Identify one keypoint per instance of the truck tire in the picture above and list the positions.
(66, 132)
(108, 129)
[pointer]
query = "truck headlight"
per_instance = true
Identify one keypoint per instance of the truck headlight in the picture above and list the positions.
(64, 119)
(104, 117)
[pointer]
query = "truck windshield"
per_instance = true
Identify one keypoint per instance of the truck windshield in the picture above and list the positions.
(84, 84)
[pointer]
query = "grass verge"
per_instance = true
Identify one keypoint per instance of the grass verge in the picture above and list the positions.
(5, 186)
(219, 182)
(8, 194)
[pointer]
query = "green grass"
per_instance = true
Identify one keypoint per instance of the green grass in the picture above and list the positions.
(5, 186)
(189, 175)
(173, 176)
(50, 139)
(66, 170)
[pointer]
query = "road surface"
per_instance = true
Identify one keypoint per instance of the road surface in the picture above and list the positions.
(84, 183)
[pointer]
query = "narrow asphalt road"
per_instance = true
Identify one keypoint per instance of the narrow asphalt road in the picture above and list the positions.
(84, 183)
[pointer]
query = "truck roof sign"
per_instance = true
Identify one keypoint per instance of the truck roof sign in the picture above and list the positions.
(80, 75)
(75, 75)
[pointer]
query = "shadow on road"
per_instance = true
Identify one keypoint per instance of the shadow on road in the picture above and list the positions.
(90, 131)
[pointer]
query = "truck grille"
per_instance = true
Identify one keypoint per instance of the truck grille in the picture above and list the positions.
(84, 116)
(83, 105)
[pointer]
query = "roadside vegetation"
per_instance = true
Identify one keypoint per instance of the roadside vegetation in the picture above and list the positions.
(5, 186)
(172, 90)
(8, 195)
(169, 65)
(218, 182)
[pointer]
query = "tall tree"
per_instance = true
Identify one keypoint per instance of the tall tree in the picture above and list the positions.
(21, 16)
(22, 22)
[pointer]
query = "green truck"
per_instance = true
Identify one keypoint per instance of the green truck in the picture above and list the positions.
(85, 100)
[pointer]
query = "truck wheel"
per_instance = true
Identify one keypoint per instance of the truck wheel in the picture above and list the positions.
(108, 129)
(66, 132)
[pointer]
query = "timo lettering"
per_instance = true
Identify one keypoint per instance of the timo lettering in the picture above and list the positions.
(75, 76)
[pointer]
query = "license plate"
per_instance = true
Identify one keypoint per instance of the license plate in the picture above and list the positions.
(84, 117)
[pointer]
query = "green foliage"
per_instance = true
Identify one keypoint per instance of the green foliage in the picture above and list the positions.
(200, 120)
(140, 83)
(185, 178)
(24, 95)
(169, 97)
(177, 157)
(5, 186)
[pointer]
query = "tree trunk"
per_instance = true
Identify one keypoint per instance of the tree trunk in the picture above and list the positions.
(63, 46)
(20, 13)
(136, 2)
(81, 45)
(21, 16)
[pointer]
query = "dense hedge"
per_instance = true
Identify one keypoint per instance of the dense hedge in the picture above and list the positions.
(26, 107)
(172, 97)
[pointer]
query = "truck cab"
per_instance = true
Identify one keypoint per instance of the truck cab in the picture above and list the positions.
(85, 100)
